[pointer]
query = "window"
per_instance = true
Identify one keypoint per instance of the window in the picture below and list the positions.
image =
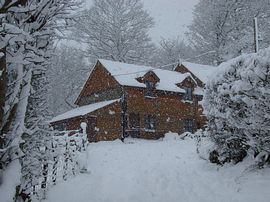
(60, 126)
(134, 121)
(188, 94)
(134, 124)
(149, 88)
(188, 125)
(150, 122)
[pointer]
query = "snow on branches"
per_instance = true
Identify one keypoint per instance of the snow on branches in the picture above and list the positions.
(237, 105)
(27, 32)
(115, 30)
(222, 30)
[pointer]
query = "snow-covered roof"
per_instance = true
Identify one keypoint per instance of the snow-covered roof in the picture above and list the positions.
(127, 74)
(203, 72)
(80, 111)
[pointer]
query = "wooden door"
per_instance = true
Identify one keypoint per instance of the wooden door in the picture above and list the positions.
(91, 128)
(134, 124)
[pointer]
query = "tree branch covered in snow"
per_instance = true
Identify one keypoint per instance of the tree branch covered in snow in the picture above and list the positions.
(67, 74)
(224, 29)
(171, 51)
(27, 31)
(115, 30)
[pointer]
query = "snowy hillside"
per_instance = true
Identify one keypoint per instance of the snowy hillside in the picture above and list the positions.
(164, 170)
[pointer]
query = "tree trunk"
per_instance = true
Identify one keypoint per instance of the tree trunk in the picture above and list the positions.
(3, 86)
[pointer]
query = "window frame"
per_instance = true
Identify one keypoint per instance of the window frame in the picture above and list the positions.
(150, 86)
(60, 126)
(188, 96)
(189, 125)
(134, 121)
(150, 122)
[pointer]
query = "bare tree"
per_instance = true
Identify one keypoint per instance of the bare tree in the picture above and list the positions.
(67, 74)
(224, 29)
(172, 51)
(116, 30)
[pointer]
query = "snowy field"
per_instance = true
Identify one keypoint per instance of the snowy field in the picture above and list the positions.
(160, 171)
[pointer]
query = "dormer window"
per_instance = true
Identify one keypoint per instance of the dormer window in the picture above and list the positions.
(188, 85)
(188, 94)
(150, 86)
(150, 79)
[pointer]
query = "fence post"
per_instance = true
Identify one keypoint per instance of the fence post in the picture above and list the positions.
(54, 168)
(83, 154)
(65, 167)
(72, 154)
(44, 172)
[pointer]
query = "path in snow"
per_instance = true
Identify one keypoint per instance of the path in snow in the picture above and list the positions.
(159, 171)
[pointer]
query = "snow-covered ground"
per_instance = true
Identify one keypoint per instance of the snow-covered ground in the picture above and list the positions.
(160, 171)
(11, 178)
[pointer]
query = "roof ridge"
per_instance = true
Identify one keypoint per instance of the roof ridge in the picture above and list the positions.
(140, 66)
(143, 66)
(197, 64)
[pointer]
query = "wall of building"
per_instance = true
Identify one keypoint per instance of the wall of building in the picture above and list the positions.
(99, 84)
(108, 94)
(108, 122)
(169, 109)
(102, 124)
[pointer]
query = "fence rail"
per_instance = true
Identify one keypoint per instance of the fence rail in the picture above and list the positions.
(66, 157)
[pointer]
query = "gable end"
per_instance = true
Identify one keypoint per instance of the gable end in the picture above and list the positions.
(183, 69)
(99, 80)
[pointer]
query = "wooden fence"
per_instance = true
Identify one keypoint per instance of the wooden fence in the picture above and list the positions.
(66, 158)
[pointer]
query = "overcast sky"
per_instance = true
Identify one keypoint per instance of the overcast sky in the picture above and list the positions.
(171, 17)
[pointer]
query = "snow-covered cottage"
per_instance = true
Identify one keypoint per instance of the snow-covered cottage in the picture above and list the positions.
(120, 100)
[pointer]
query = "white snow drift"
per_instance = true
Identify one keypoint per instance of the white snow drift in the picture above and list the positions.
(165, 170)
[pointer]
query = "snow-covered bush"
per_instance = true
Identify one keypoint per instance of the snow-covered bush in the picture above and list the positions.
(204, 144)
(173, 136)
(237, 105)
